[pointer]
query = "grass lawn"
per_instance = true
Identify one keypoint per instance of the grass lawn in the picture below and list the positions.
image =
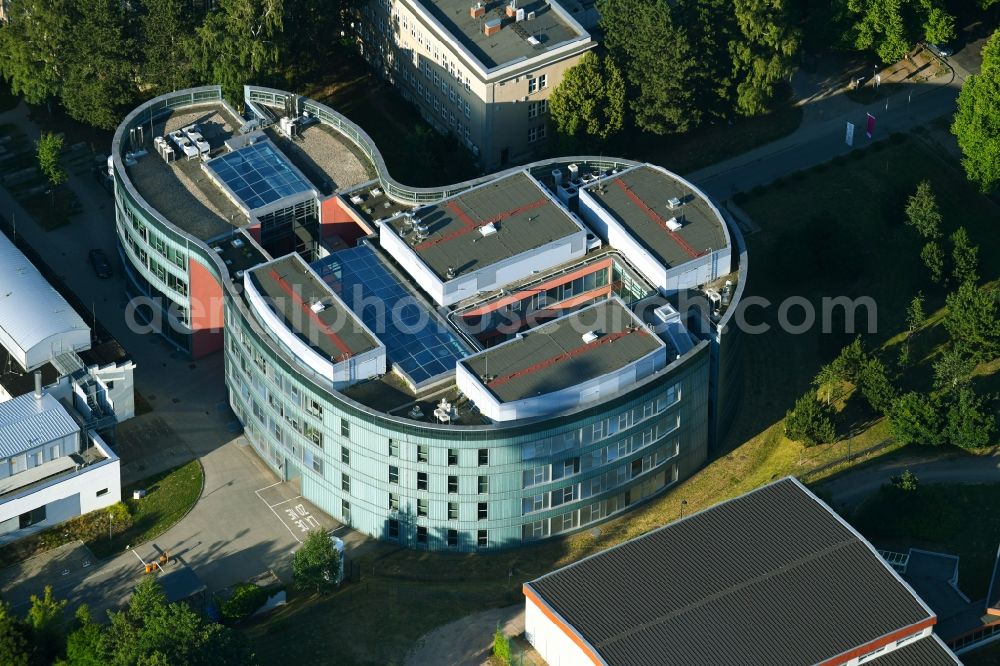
(839, 232)
(170, 495)
(959, 519)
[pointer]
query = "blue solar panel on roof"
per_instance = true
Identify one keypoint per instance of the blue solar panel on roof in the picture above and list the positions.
(424, 348)
(258, 174)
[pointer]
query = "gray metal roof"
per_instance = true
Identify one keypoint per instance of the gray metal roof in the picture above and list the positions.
(36, 323)
(627, 195)
(771, 577)
(554, 356)
(291, 289)
(523, 214)
(27, 423)
(511, 43)
(927, 651)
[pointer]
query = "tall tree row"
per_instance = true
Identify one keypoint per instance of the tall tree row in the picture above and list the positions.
(97, 57)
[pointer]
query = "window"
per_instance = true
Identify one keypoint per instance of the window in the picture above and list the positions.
(536, 109)
(421, 453)
(484, 457)
(452, 456)
(393, 449)
(532, 85)
(345, 428)
(345, 455)
(345, 483)
(422, 508)
(102, 491)
(484, 485)
(393, 474)
(317, 465)
(452, 510)
(452, 538)
(394, 529)
(543, 81)
(314, 435)
(483, 511)
(32, 517)
(421, 534)
(452, 484)
(345, 510)
(482, 538)
(421, 480)
(312, 406)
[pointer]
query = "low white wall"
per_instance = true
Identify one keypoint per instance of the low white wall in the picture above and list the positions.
(557, 401)
(65, 498)
(613, 233)
(551, 642)
(404, 255)
(341, 374)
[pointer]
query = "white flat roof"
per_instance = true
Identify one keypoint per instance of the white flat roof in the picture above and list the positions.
(27, 422)
(36, 323)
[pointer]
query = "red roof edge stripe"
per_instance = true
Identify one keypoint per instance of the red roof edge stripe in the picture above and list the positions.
(470, 225)
(287, 288)
(558, 358)
(653, 215)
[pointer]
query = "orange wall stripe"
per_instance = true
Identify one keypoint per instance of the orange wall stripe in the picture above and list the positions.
(558, 621)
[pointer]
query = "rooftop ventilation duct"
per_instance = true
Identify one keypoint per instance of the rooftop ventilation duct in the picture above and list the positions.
(674, 224)
(589, 336)
(488, 229)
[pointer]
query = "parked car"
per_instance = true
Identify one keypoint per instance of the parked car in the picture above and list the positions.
(99, 262)
(940, 51)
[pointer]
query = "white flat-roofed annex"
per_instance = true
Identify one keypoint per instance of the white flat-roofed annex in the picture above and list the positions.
(487, 237)
(581, 357)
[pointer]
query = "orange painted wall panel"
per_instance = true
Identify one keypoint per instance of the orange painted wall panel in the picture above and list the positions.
(206, 311)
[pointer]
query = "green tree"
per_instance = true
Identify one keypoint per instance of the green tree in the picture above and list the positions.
(952, 370)
(914, 419)
(651, 45)
(246, 599)
(829, 382)
(923, 213)
(933, 258)
(590, 100)
(764, 54)
(239, 44)
(972, 321)
(885, 26)
(167, 29)
(970, 423)
(851, 360)
(710, 27)
(14, 647)
(152, 631)
(809, 422)
(100, 77)
(965, 257)
(312, 28)
(33, 47)
(907, 481)
(49, 158)
(84, 645)
(46, 623)
(977, 121)
(315, 564)
(876, 386)
(915, 315)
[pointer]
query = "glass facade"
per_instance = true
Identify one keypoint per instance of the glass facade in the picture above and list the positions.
(425, 485)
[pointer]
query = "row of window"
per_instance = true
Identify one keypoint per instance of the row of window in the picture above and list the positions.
(482, 508)
(536, 133)
(482, 481)
(451, 537)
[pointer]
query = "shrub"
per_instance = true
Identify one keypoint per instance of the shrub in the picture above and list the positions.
(907, 481)
(809, 422)
(246, 598)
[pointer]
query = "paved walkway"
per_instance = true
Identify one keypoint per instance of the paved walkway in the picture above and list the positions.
(466, 642)
(853, 487)
(821, 136)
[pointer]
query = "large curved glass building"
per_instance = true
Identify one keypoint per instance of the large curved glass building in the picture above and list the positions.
(468, 367)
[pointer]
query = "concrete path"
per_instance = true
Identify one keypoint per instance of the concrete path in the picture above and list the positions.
(821, 136)
(852, 488)
(466, 642)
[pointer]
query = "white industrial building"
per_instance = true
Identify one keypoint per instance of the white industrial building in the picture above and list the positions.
(36, 323)
(50, 469)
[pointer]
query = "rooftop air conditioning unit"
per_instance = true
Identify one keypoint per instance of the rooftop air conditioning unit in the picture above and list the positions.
(237, 242)
(574, 173)
(488, 229)
(674, 202)
(519, 16)
(317, 307)
(531, 17)
(589, 336)
(674, 224)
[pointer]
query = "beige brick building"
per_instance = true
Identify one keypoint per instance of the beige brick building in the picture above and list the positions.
(480, 70)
